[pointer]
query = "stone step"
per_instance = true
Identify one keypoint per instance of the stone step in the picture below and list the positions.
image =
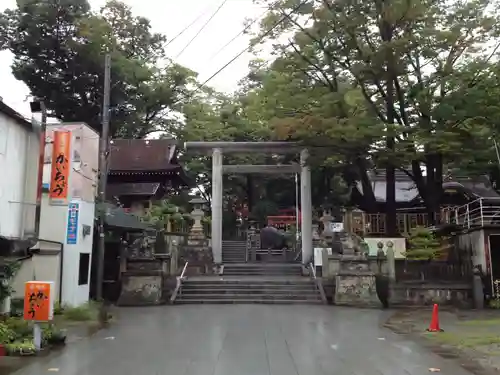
(250, 288)
(246, 296)
(249, 301)
(251, 280)
(288, 289)
(258, 273)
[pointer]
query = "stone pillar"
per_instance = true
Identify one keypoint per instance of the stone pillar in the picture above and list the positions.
(391, 266)
(217, 205)
(306, 208)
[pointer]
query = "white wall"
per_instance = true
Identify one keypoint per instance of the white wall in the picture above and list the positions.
(44, 266)
(54, 228)
(13, 147)
(82, 182)
(72, 293)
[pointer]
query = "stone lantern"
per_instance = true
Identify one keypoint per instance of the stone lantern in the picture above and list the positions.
(196, 233)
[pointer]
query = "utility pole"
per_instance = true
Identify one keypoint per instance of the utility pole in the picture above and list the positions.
(103, 174)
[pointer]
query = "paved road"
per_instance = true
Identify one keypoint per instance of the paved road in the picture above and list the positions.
(246, 340)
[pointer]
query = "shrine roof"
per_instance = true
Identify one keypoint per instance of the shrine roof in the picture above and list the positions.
(406, 190)
(142, 188)
(118, 218)
(143, 155)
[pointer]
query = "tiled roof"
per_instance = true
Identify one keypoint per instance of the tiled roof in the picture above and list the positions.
(117, 217)
(148, 155)
(406, 190)
(143, 188)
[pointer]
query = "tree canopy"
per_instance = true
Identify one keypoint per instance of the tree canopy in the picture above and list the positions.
(385, 84)
(59, 48)
(403, 86)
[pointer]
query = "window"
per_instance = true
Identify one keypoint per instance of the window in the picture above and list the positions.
(83, 270)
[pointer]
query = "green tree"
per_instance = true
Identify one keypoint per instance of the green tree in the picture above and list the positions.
(405, 58)
(423, 245)
(59, 49)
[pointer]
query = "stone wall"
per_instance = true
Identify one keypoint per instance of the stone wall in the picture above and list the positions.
(424, 293)
(199, 257)
(146, 282)
(356, 290)
(141, 290)
(353, 282)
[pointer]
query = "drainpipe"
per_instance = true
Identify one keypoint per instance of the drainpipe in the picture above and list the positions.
(36, 107)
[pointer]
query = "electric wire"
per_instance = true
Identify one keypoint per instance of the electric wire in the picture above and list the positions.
(247, 27)
(186, 28)
(275, 25)
(202, 28)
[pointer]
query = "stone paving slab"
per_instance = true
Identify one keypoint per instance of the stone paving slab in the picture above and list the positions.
(246, 340)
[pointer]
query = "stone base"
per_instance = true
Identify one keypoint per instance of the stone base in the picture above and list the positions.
(199, 258)
(141, 289)
(356, 290)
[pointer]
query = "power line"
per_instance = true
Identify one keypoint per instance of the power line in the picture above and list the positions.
(187, 27)
(202, 28)
(247, 27)
(276, 24)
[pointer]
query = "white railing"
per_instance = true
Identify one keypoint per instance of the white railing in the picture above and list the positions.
(478, 213)
(178, 284)
(318, 282)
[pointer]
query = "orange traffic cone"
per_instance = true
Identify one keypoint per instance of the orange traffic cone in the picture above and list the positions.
(434, 326)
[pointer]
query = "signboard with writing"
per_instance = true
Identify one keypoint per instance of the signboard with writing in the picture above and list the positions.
(72, 229)
(337, 227)
(39, 301)
(60, 169)
(318, 255)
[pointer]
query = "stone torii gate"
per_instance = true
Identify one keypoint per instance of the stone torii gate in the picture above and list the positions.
(217, 149)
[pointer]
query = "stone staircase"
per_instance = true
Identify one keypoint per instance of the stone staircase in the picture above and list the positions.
(262, 269)
(233, 251)
(252, 283)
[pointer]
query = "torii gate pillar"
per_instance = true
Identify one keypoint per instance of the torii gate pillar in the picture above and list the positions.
(217, 205)
(306, 208)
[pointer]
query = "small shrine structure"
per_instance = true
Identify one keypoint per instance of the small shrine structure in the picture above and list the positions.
(142, 171)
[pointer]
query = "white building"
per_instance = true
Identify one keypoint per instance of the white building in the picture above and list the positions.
(70, 220)
(19, 160)
(63, 254)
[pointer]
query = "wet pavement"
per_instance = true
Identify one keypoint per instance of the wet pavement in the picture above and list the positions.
(246, 340)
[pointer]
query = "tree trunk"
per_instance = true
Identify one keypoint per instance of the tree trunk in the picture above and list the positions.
(249, 191)
(390, 196)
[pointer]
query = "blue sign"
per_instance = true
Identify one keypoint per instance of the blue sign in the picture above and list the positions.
(72, 230)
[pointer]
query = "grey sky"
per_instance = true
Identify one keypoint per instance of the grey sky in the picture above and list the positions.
(170, 17)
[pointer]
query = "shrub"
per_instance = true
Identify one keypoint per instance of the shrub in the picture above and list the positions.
(423, 245)
(81, 313)
(6, 334)
(21, 328)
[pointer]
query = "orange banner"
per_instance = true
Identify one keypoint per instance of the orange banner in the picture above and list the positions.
(60, 165)
(37, 301)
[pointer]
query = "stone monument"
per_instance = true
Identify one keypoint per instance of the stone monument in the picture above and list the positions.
(355, 281)
(197, 251)
(196, 234)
